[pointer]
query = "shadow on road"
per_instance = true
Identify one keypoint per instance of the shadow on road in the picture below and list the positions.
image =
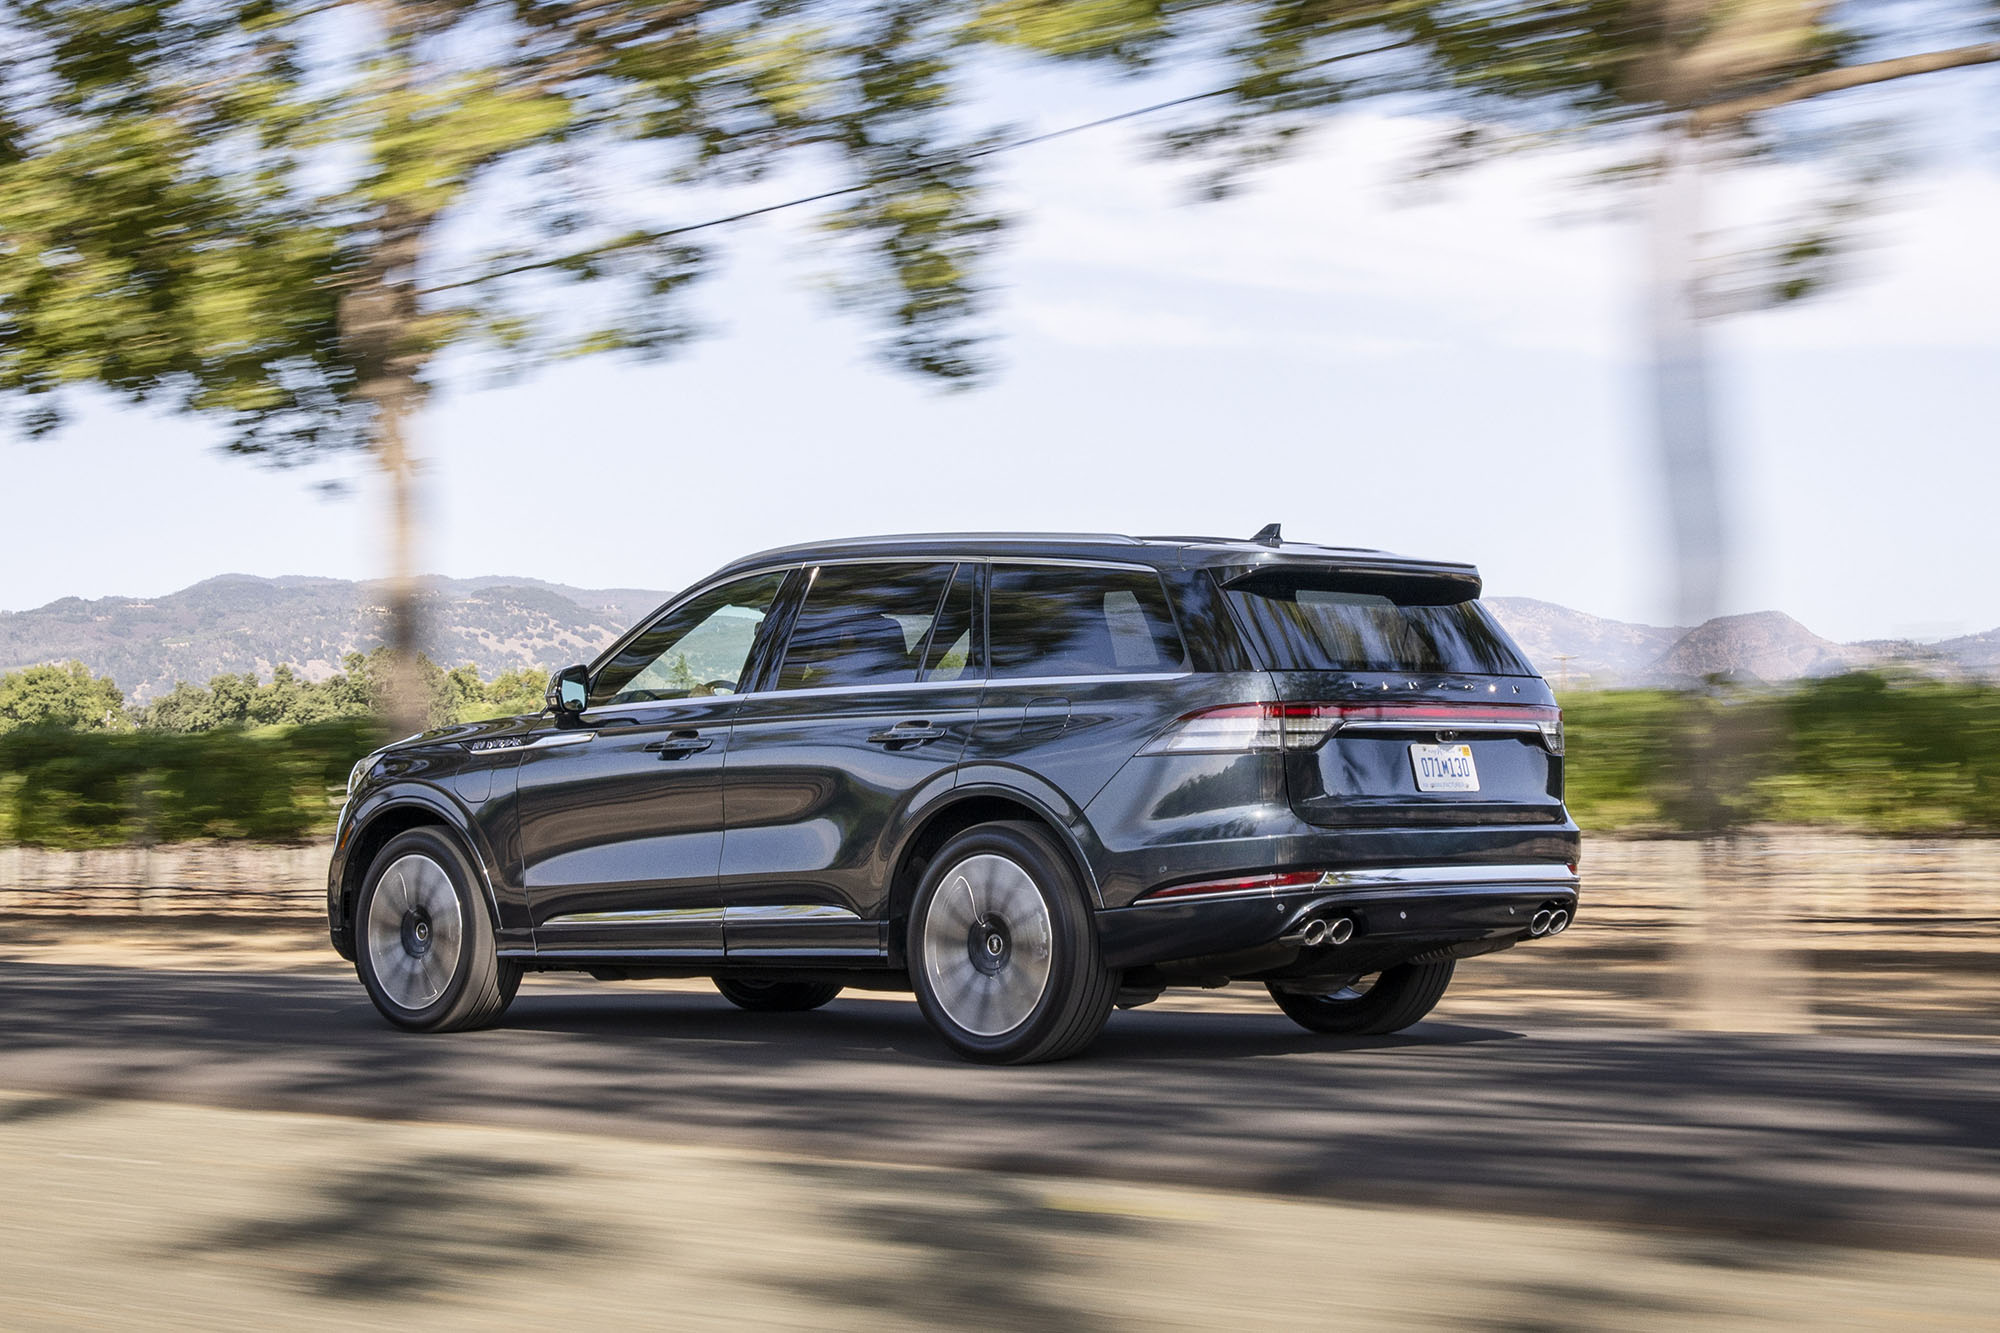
(990, 1246)
(408, 1228)
(1805, 1138)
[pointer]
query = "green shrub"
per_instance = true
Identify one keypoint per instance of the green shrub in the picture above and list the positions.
(97, 789)
(1862, 752)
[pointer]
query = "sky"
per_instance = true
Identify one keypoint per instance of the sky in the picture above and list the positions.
(1455, 372)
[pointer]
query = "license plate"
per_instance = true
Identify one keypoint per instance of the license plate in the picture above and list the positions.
(1444, 768)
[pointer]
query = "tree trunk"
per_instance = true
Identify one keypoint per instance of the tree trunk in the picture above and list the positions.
(1736, 970)
(409, 702)
(380, 323)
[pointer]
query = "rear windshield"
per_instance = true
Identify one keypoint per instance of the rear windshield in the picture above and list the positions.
(1304, 623)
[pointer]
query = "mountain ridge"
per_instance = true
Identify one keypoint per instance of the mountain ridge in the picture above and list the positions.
(233, 623)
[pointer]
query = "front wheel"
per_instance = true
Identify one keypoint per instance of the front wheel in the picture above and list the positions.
(427, 952)
(1003, 951)
(1398, 997)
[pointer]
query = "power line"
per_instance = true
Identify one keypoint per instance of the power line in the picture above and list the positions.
(630, 240)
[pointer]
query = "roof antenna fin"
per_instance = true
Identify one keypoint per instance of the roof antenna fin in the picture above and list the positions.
(1268, 536)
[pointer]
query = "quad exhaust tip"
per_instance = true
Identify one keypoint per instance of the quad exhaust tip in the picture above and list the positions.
(1540, 924)
(1558, 922)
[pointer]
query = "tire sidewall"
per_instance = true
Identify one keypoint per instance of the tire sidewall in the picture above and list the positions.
(446, 853)
(1072, 937)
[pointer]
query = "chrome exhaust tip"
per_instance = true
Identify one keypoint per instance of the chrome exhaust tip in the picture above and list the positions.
(1314, 933)
(1540, 924)
(1558, 922)
(1341, 931)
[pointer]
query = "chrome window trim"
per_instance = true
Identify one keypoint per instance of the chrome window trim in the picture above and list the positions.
(641, 705)
(1134, 677)
(1010, 682)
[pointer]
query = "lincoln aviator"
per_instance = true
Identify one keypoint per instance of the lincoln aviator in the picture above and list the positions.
(1028, 777)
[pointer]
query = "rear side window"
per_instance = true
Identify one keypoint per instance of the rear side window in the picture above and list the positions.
(1074, 621)
(1302, 623)
(863, 625)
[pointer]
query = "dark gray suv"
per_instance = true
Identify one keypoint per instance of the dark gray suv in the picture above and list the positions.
(1028, 777)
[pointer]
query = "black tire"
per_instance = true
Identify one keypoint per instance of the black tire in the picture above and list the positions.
(420, 911)
(988, 1003)
(775, 997)
(1400, 996)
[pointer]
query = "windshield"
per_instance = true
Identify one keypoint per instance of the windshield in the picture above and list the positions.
(1303, 622)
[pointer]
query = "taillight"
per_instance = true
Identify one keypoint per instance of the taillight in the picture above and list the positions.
(1238, 728)
(1231, 729)
(1290, 879)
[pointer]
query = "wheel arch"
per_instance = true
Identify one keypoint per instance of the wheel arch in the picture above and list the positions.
(966, 808)
(398, 815)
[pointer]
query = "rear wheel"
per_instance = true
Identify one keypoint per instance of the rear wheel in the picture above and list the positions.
(1396, 998)
(775, 997)
(1003, 951)
(426, 950)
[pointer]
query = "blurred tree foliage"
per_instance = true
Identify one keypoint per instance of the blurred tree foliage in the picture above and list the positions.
(1504, 74)
(280, 214)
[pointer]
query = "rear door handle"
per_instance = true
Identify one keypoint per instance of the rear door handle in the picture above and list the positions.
(907, 733)
(680, 745)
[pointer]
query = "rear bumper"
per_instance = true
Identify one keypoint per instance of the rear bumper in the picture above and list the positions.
(1397, 913)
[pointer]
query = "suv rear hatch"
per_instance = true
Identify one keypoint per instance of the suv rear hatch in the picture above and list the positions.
(1400, 700)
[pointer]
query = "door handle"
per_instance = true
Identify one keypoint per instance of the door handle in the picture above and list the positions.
(907, 733)
(680, 745)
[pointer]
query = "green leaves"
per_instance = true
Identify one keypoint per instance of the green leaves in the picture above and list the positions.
(257, 210)
(64, 696)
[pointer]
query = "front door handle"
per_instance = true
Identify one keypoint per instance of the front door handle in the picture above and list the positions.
(908, 733)
(680, 745)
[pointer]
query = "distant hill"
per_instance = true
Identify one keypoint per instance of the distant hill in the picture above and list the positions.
(237, 623)
(1581, 648)
(1765, 645)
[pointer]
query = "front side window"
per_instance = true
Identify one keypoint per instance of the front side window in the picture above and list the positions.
(1076, 621)
(695, 650)
(863, 625)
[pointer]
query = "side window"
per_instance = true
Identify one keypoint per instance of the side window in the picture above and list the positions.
(697, 649)
(863, 625)
(1061, 621)
(952, 654)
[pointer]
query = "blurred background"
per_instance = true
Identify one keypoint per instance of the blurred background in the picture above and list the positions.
(362, 362)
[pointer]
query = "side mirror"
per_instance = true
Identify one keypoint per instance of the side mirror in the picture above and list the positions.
(569, 690)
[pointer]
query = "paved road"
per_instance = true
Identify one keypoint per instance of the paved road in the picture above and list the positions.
(1886, 1143)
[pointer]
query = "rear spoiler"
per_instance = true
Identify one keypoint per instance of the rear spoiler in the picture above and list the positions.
(1407, 582)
